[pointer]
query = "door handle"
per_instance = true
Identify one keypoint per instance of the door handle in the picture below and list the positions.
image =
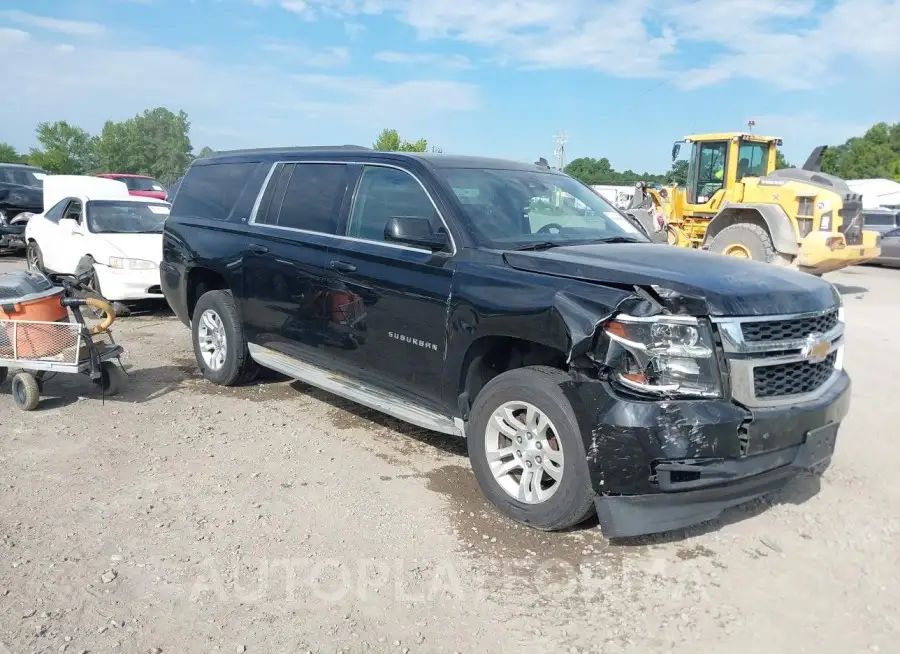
(343, 266)
(258, 249)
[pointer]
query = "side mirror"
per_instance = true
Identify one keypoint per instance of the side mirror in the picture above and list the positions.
(675, 150)
(414, 231)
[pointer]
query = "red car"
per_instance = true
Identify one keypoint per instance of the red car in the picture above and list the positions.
(141, 185)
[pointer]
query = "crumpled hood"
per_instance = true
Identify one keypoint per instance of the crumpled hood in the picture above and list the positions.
(133, 246)
(24, 196)
(730, 286)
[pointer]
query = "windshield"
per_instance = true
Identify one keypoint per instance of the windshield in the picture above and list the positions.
(117, 217)
(142, 184)
(507, 209)
(22, 176)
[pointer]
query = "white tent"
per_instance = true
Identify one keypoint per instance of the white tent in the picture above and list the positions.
(876, 192)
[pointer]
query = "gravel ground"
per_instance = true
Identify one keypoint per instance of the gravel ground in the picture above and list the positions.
(182, 517)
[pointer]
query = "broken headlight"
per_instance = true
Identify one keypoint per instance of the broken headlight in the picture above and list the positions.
(663, 355)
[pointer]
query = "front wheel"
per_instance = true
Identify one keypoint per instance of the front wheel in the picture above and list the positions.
(25, 391)
(526, 450)
(745, 241)
(220, 346)
(34, 257)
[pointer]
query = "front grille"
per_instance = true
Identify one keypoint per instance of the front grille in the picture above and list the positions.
(789, 329)
(769, 362)
(792, 378)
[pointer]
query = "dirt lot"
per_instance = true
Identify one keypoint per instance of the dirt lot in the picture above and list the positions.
(274, 518)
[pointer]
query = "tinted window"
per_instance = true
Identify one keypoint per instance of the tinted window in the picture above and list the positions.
(210, 191)
(894, 233)
(54, 213)
(313, 197)
(22, 176)
(274, 195)
(384, 193)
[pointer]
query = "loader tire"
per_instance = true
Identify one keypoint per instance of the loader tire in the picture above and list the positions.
(746, 241)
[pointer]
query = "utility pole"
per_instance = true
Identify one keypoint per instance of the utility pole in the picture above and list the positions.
(751, 124)
(561, 138)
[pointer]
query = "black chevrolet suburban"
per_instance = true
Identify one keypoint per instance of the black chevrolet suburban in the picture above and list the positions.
(588, 369)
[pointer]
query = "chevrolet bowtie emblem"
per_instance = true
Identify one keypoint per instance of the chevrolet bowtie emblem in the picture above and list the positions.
(815, 348)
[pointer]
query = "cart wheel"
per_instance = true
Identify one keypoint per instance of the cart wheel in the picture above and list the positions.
(25, 391)
(3, 373)
(112, 378)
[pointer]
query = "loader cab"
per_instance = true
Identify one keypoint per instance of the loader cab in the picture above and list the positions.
(717, 162)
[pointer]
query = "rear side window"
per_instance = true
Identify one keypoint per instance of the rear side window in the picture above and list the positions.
(274, 195)
(211, 191)
(312, 197)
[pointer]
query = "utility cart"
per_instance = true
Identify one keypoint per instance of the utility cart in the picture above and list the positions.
(43, 333)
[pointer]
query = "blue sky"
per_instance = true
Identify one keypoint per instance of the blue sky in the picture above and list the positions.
(493, 77)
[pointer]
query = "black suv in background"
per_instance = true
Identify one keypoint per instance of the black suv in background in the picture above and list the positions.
(509, 304)
(21, 195)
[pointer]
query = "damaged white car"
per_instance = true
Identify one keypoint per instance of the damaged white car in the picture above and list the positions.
(93, 225)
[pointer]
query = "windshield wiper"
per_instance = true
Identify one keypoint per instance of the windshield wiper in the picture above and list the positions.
(541, 245)
(617, 239)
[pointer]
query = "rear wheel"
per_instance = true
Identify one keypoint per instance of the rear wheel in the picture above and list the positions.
(112, 378)
(526, 451)
(220, 346)
(745, 241)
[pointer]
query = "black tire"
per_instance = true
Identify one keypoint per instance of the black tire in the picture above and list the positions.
(753, 238)
(25, 391)
(112, 378)
(34, 258)
(3, 373)
(238, 367)
(572, 502)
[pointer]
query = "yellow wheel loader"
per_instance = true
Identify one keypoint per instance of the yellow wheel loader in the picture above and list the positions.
(736, 203)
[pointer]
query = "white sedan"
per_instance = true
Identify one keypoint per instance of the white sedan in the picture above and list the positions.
(94, 225)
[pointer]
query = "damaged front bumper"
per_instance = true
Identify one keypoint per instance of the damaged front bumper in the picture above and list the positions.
(12, 237)
(659, 466)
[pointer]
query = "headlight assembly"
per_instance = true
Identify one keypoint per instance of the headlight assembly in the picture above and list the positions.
(131, 264)
(663, 356)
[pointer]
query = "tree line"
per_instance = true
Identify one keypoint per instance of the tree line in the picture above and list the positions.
(157, 143)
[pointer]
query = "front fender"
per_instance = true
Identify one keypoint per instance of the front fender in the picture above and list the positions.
(784, 234)
(558, 313)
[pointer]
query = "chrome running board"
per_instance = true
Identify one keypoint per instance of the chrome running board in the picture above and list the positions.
(356, 391)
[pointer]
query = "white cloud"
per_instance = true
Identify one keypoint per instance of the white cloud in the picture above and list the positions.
(295, 53)
(245, 105)
(354, 30)
(788, 44)
(11, 35)
(452, 61)
(70, 27)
